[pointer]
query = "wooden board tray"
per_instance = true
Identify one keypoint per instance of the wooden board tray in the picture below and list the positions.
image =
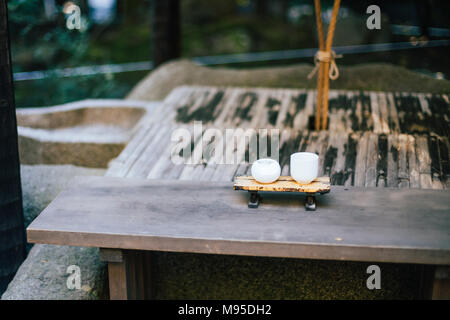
(283, 184)
(320, 185)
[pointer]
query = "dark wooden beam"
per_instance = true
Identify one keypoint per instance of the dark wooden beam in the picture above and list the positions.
(166, 34)
(12, 234)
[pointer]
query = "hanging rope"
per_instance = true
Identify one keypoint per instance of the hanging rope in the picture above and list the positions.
(325, 64)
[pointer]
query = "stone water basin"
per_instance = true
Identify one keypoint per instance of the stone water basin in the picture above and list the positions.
(86, 133)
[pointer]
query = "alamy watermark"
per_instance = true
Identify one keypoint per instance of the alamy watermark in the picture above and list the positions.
(374, 20)
(73, 16)
(374, 280)
(74, 279)
(223, 146)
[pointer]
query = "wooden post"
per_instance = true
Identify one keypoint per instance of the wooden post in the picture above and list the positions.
(261, 8)
(166, 34)
(129, 274)
(12, 233)
(441, 283)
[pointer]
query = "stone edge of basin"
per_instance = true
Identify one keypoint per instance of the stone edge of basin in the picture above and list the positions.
(85, 147)
(148, 106)
(90, 103)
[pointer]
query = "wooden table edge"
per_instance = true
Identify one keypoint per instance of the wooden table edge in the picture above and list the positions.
(305, 250)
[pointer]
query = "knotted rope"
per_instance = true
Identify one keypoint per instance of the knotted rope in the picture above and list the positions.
(323, 59)
(324, 56)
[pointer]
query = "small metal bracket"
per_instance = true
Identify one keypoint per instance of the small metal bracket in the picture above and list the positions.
(310, 203)
(253, 202)
(255, 199)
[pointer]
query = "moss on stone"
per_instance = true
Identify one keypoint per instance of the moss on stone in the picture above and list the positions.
(201, 276)
(374, 77)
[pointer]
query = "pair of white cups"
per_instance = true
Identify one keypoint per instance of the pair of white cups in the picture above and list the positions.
(304, 168)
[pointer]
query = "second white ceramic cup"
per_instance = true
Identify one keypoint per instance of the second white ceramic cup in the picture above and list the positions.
(304, 167)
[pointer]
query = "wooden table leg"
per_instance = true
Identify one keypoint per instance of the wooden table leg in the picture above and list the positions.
(435, 282)
(129, 273)
(441, 284)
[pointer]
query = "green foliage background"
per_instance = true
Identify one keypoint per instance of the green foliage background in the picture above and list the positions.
(208, 28)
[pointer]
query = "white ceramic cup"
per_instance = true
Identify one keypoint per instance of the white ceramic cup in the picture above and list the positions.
(304, 167)
(266, 170)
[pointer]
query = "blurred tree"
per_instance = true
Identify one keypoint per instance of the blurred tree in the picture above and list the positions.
(262, 14)
(166, 36)
(130, 9)
(12, 234)
(40, 43)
